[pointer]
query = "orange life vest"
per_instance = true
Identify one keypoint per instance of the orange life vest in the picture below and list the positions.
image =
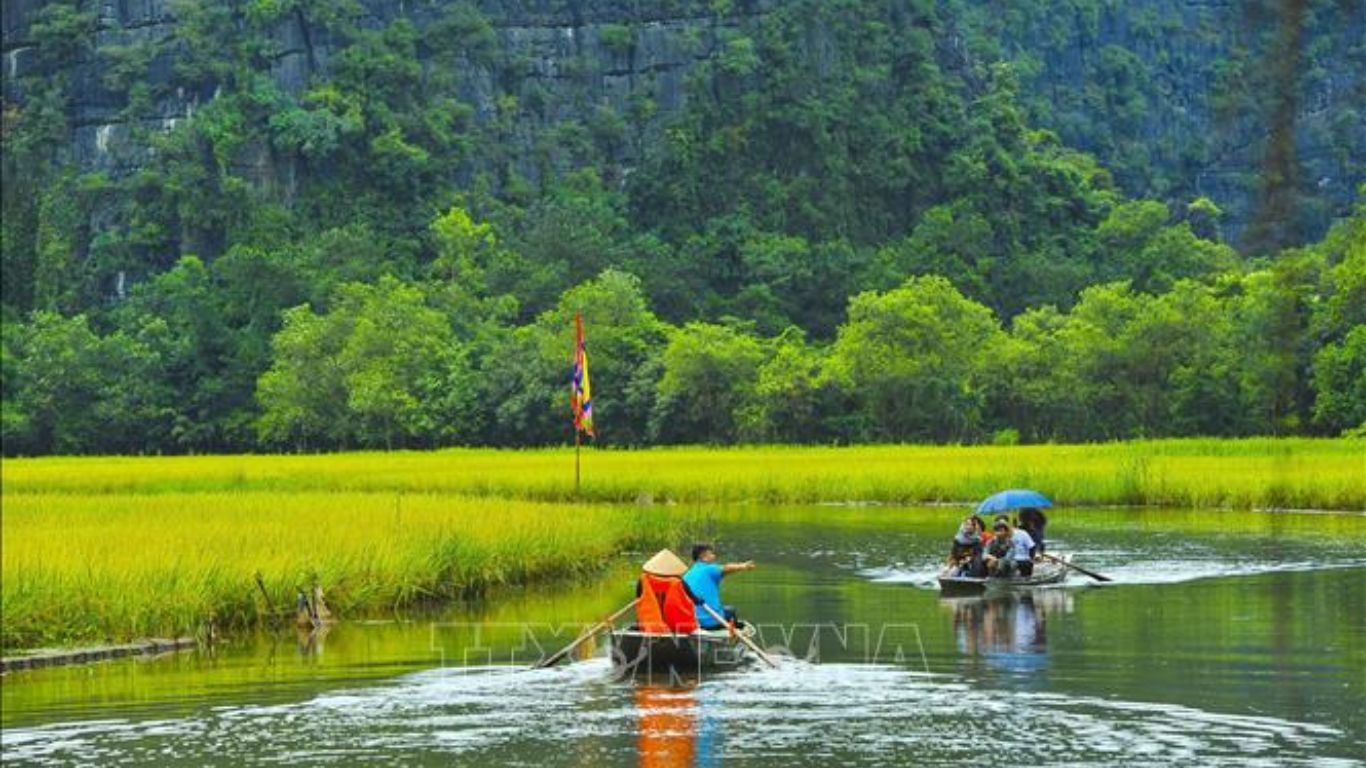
(664, 605)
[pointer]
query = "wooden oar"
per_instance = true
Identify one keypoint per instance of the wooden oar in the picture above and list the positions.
(743, 637)
(606, 623)
(1092, 574)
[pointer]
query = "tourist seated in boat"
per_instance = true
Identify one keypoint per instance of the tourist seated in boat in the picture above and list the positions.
(1008, 555)
(704, 581)
(1033, 521)
(994, 547)
(968, 545)
(665, 603)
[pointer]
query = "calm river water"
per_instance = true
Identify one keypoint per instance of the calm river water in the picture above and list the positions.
(1227, 639)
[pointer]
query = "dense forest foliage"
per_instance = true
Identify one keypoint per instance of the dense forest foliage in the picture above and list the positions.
(1182, 99)
(840, 238)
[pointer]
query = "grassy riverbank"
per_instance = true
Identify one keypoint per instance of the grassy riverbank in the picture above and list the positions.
(97, 567)
(102, 549)
(1274, 473)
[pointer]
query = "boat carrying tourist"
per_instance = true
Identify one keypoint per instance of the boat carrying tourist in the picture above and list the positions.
(1008, 552)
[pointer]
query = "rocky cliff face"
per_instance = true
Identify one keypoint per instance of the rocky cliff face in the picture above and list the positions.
(1170, 93)
(1183, 98)
(570, 61)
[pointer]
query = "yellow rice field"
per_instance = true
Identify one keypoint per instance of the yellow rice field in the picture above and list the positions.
(1271, 473)
(80, 567)
(108, 548)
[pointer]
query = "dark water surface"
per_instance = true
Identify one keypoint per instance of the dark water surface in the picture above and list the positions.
(1227, 639)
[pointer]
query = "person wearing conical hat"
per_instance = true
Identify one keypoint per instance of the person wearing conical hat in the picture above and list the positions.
(665, 604)
(665, 563)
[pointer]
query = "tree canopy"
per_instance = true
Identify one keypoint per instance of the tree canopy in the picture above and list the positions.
(845, 232)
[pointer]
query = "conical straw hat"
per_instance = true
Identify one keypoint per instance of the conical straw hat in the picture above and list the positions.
(665, 563)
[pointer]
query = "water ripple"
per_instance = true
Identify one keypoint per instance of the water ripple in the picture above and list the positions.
(800, 713)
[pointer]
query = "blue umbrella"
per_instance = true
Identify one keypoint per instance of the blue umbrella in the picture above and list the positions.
(1015, 498)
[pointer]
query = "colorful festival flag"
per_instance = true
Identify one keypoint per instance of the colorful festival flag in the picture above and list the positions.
(580, 391)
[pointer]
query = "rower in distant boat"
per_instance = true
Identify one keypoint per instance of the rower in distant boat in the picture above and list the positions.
(1033, 521)
(704, 581)
(1009, 554)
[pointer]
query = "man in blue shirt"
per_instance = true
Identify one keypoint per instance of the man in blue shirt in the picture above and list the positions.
(704, 580)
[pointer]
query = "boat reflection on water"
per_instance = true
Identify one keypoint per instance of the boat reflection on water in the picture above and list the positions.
(1008, 632)
(675, 728)
(309, 641)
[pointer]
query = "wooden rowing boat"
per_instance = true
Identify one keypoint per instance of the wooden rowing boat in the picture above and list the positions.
(1045, 573)
(693, 652)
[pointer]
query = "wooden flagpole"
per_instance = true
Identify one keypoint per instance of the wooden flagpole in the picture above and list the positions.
(574, 403)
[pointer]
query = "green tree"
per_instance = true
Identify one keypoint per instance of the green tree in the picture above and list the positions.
(792, 397)
(211, 326)
(1271, 324)
(179, 312)
(526, 374)
(462, 245)
(1099, 361)
(381, 368)
(71, 391)
(913, 358)
(14, 420)
(1141, 245)
(1036, 386)
(1204, 215)
(303, 395)
(710, 372)
(571, 234)
(1340, 384)
(59, 278)
(1343, 284)
(950, 240)
(1205, 392)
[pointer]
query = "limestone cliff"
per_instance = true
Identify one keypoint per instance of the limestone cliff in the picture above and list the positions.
(1178, 96)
